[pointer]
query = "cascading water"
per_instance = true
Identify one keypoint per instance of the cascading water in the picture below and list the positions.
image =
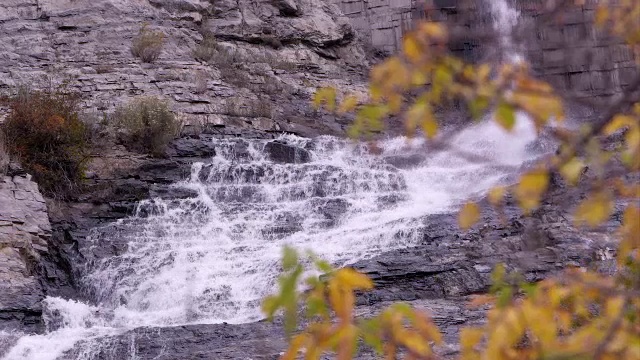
(505, 20)
(213, 257)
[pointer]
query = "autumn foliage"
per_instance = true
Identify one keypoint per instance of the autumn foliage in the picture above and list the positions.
(578, 314)
(43, 131)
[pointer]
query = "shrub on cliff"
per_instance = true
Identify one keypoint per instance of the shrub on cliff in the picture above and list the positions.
(146, 124)
(148, 44)
(206, 50)
(4, 155)
(44, 132)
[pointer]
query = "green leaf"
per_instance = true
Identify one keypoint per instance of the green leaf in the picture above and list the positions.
(270, 305)
(506, 116)
(477, 107)
(289, 258)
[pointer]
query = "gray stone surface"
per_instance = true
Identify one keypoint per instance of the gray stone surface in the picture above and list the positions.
(270, 57)
(24, 235)
(568, 50)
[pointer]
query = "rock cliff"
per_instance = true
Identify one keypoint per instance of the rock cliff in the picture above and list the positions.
(269, 57)
(568, 50)
(24, 238)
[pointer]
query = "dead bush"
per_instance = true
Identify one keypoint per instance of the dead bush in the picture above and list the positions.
(146, 124)
(248, 108)
(4, 155)
(148, 44)
(206, 50)
(235, 76)
(43, 131)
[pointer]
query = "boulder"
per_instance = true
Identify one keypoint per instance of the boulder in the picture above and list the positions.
(286, 154)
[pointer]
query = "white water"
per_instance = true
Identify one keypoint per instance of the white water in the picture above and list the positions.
(213, 257)
(505, 21)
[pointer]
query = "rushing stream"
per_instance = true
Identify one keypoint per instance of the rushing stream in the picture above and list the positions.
(213, 257)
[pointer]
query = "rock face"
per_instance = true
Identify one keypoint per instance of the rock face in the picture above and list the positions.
(570, 52)
(265, 60)
(24, 238)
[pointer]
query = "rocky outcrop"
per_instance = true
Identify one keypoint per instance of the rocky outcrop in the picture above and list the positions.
(24, 239)
(568, 50)
(267, 60)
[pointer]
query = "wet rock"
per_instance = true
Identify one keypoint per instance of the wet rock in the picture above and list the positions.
(286, 154)
(332, 209)
(405, 161)
(192, 147)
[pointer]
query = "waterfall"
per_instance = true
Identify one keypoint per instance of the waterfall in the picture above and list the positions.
(211, 258)
(505, 21)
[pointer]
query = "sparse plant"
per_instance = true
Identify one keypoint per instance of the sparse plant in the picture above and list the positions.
(206, 50)
(271, 41)
(104, 68)
(44, 132)
(146, 124)
(248, 108)
(200, 82)
(4, 155)
(235, 76)
(148, 44)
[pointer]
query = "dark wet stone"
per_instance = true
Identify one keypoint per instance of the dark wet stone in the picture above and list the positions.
(405, 161)
(282, 153)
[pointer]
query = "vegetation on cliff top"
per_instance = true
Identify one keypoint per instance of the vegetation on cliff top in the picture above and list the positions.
(44, 132)
(578, 314)
(146, 124)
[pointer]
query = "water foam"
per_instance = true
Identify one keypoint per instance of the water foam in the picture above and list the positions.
(213, 257)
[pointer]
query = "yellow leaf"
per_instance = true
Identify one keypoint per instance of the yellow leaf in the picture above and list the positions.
(412, 49)
(617, 123)
(348, 104)
(294, 346)
(594, 210)
(530, 188)
(427, 328)
(614, 306)
(602, 14)
(325, 96)
(470, 337)
(483, 72)
(630, 233)
(433, 30)
(416, 343)
(480, 300)
(496, 195)
(541, 106)
(572, 170)
(353, 279)
(469, 215)
(429, 127)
